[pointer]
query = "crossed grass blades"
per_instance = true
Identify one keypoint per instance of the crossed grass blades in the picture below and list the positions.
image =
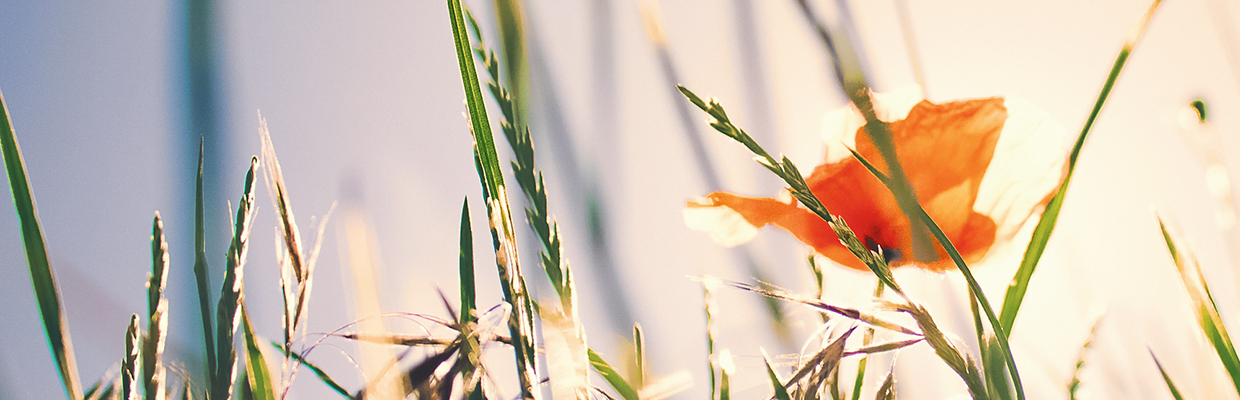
(143, 369)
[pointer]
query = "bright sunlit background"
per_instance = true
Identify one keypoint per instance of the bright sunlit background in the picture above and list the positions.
(364, 103)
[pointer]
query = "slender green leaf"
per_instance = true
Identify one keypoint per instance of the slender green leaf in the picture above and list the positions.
(639, 353)
(468, 289)
(55, 323)
(322, 375)
(1175, 393)
(781, 393)
(157, 323)
(1203, 303)
(256, 373)
(1042, 233)
(612, 377)
(512, 282)
(201, 275)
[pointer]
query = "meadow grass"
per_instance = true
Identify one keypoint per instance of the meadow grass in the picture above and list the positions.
(550, 352)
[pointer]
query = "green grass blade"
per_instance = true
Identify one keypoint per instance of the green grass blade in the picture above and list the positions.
(612, 377)
(780, 392)
(322, 375)
(512, 282)
(974, 287)
(468, 288)
(1042, 233)
(1175, 393)
(1208, 317)
(639, 354)
(256, 372)
(129, 364)
(55, 323)
(228, 311)
(201, 276)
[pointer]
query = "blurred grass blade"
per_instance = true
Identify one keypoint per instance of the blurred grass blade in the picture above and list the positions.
(55, 323)
(129, 364)
(1203, 303)
(726, 367)
(639, 354)
(260, 381)
(780, 392)
(323, 377)
(1175, 393)
(1042, 233)
(1075, 384)
(709, 283)
(612, 377)
(201, 276)
(888, 390)
(228, 311)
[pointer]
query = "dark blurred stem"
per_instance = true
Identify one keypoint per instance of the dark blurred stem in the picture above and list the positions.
(742, 255)
(580, 184)
(202, 117)
(910, 43)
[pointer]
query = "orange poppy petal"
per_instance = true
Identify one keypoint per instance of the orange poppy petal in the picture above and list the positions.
(980, 168)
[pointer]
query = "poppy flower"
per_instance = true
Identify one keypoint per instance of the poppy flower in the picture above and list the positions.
(982, 169)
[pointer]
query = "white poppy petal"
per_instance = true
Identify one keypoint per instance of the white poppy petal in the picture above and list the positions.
(726, 226)
(1029, 162)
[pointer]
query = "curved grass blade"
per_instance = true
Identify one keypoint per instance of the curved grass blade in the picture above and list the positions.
(1175, 393)
(228, 311)
(323, 377)
(781, 393)
(256, 371)
(1042, 233)
(1208, 317)
(153, 370)
(55, 323)
(201, 276)
(612, 376)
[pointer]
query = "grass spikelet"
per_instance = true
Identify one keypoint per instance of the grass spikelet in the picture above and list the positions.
(228, 311)
(55, 323)
(129, 364)
(1075, 383)
(157, 322)
(154, 373)
(296, 263)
